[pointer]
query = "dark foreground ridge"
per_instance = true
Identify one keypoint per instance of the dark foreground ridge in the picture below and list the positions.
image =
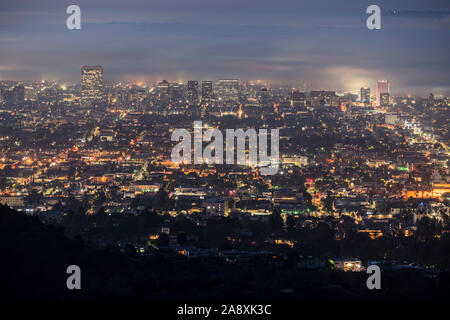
(34, 258)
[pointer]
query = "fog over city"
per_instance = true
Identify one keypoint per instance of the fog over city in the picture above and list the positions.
(316, 45)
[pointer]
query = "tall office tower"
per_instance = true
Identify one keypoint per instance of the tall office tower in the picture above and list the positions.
(14, 97)
(91, 83)
(207, 90)
(9, 97)
(384, 99)
(264, 97)
(382, 87)
(163, 90)
(228, 90)
(19, 94)
(298, 100)
(176, 92)
(192, 91)
(364, 95)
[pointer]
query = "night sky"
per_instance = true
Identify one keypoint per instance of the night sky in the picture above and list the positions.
(324, 43)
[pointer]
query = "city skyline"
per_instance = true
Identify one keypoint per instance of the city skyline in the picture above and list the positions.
(320, 45)
(370, 91)
(241, 154)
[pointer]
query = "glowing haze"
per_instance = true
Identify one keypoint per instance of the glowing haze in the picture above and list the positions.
(324, 43)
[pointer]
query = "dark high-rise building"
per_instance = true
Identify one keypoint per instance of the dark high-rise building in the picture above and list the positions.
(176, 92)
(14, 97)
(264, 97)
(384, 99)
(192, 91)
(207, 90)
(298, 100)
(19, 92)
(163, 90)
(91, 83)
(364, 95)
(9, 98)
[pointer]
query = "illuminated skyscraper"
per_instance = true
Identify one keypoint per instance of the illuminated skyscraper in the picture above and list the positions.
(382, 87)
(92, 83)
(192, 91)
(365, 95)
(163, 90)
(228, 90)
(207, 90)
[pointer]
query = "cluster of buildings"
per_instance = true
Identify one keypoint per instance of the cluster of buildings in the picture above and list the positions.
(108, 146)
